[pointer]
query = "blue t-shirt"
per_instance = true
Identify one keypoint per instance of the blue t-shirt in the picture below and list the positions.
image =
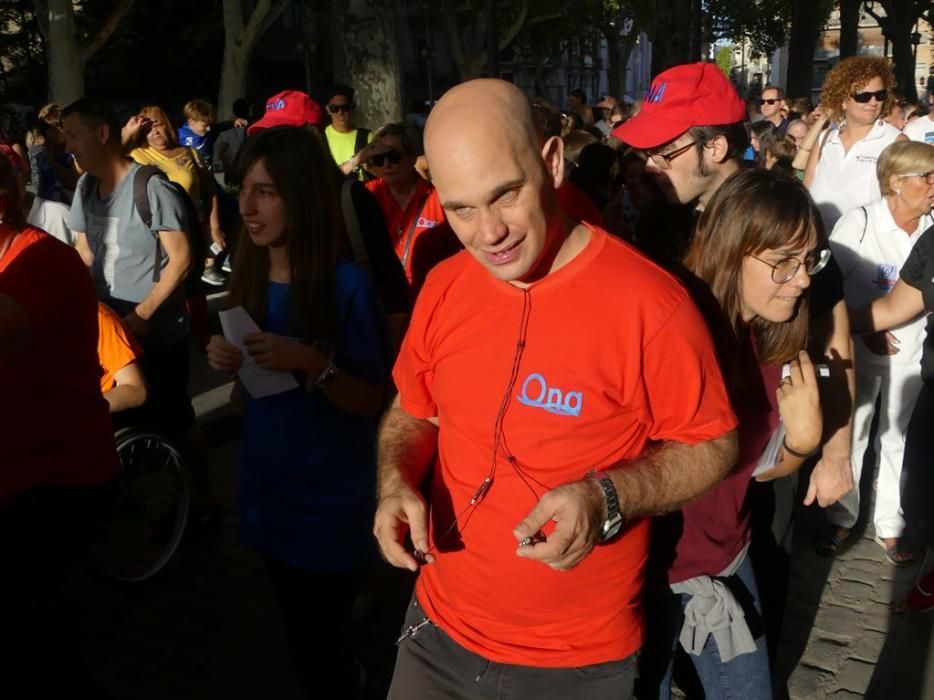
(202, 144)
(307, 468)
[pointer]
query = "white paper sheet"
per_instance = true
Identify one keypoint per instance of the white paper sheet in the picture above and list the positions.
(258, 381)
(769, 456)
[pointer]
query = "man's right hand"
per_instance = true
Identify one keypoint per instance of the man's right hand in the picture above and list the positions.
(400, 511)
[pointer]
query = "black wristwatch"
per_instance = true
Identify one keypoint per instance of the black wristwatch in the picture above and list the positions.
(614, 519)
(327, 376)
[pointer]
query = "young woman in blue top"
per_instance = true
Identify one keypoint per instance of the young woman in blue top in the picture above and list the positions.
(308, 464)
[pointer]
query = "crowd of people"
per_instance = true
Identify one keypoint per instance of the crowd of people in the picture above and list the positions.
(561, 381)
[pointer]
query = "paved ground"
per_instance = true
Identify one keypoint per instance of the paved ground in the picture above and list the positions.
(208, 627)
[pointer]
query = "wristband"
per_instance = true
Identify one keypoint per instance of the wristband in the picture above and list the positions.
(327, 376)
(795, 453)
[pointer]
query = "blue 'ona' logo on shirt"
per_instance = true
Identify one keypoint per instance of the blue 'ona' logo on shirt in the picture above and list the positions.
(886, 277)
(537, 394)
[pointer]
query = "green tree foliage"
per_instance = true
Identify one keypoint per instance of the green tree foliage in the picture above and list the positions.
(724, 58)
(762, 23)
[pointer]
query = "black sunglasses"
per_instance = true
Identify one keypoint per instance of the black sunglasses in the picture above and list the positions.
(334, 109)
(769, 102)
(393, 157)
(864, 97)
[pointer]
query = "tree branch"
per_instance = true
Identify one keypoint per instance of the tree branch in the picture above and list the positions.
(449, 22)
(512, 31)
(108, 28)
(264, 15)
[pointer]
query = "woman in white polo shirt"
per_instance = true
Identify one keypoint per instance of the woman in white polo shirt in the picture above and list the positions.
(841, 167)
(871, 243)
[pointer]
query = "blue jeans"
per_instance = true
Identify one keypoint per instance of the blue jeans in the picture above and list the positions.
(745, 677)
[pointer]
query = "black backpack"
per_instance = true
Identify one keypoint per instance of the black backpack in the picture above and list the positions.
(197, 242)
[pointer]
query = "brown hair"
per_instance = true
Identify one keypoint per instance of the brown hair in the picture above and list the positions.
(300, 169)
(752, 211)
(157, 114)
(850, 75)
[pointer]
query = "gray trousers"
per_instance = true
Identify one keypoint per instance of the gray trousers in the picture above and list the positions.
(432, 666)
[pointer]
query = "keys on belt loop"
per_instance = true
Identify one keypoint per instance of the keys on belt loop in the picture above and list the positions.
(411, 630)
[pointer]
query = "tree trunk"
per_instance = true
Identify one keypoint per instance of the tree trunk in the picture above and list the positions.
(849, 27)
(671, 34)
(807, 20)
(899, 21)
(65, 64)
(239, 40)
(371, 54)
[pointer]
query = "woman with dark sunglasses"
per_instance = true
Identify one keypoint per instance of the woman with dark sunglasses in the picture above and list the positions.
(841, 165)
(416, 220)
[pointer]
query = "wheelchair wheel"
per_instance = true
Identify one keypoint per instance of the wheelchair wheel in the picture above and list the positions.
(151, 508)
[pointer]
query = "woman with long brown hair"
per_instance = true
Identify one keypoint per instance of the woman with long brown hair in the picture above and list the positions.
(757, 244)
(308, 463)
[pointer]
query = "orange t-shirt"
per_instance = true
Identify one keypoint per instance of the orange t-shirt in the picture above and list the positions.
(116, 347)
(429, 241)
(615, 355)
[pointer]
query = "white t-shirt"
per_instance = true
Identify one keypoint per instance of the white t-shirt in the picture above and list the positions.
(920, 129)
(51, 217)
(871, 249)
(846, 180)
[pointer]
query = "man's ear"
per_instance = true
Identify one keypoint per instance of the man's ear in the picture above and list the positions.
(719, 148)
(103, 133)
(553, 155)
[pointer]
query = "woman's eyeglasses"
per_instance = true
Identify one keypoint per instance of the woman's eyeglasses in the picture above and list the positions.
(864, 97)
(928, 176)
(394, 157)
(663, 160)
(785, 270)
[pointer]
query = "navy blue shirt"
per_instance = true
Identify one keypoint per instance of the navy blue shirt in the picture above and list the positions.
(307, 468)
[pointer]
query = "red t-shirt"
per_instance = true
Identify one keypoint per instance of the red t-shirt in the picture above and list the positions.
(716, 527)
(55, 424)
(420, 234)
(578, 205)
(615, 356)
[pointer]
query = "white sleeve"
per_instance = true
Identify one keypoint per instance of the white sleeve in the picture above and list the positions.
(846, 236)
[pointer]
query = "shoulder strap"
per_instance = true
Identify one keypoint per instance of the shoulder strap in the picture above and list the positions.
(408, 239)
(361, 139)
(352, 223)
(865, 224)
(141, 199)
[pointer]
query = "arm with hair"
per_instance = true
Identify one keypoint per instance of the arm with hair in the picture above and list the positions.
(173, 274)
(405, 451)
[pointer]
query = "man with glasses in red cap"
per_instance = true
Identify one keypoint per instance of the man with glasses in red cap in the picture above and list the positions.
(692, 127)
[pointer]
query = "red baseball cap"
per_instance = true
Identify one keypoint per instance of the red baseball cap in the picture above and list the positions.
(693, 94)
(289, 108)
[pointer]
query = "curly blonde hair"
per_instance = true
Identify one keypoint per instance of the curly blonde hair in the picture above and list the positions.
(849, 76)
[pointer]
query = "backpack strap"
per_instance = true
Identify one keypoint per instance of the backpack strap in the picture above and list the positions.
(865, 224)
(361, 140)
(141, 199)
(352, 223)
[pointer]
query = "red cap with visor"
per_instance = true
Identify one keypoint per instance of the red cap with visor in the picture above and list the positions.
(693, 94)
(289, 108)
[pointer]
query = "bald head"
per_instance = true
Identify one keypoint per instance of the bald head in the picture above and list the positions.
(483, 110)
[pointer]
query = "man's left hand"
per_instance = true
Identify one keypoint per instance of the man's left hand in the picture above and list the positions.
(831, 480)
(578, 510)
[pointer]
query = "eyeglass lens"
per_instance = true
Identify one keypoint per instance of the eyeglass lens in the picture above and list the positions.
(334, 109)
(864, 97)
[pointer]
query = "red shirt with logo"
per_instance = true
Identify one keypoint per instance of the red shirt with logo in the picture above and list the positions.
(420, 233)
(55, 424)
(594, 362)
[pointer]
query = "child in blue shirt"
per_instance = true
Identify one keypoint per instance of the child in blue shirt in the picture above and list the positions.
(195, 132)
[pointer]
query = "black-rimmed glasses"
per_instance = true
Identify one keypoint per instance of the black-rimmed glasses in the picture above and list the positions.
(784, 270)
(663, 160)
(394, 157)
(334, 109)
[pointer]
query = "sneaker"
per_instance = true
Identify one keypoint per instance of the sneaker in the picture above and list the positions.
(213, 278)
(921, 597)
(226, 266)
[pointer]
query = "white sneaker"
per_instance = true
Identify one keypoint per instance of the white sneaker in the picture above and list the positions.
(226, 266)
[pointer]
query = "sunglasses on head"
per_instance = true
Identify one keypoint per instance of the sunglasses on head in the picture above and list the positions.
(769, 102)
(393, 157)
(864, 97)
(334, 109)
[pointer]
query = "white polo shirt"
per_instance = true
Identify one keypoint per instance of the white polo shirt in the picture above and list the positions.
(920, 129)
(846, 180)
(871, 249)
